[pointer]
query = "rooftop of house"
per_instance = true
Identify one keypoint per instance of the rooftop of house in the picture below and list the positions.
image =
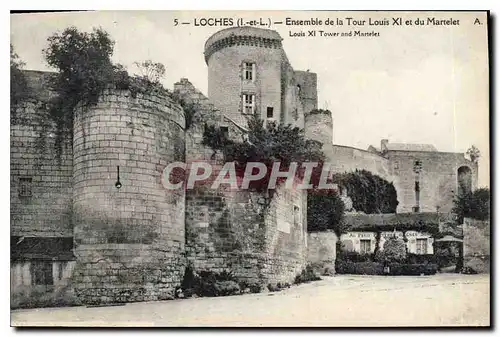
(393, 221)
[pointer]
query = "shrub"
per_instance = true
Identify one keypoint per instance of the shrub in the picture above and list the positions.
(421, 259)
(475, 205)
(209, 284)
(359, 268)
(355, 256)
(413, 269)
(306, 275)
(253, 287)
(394, 251)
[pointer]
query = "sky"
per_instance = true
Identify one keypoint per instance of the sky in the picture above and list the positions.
(411, 84)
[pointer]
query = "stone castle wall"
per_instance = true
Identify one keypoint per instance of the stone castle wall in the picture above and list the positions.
(438, 179)
(477, 245)
(129, 242)
(230, 230)
(41, 175)
(322, 251)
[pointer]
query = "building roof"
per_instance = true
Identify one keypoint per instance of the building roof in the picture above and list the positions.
(394, 221)
(41, 248)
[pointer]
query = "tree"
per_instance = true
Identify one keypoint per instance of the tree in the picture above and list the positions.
(394, 251)
(152, 71)
(325, 211)
(475, 205)
(473, 153)
(18, 81)
(84, 64)
(281, 143)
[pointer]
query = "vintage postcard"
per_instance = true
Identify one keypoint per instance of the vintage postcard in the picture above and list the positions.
(250, 169)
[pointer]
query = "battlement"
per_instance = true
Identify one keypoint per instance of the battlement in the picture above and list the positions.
(250, 36)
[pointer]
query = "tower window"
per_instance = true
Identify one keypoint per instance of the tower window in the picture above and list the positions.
(25, 187)
(249, 71)
(270, 112)
(248, 103)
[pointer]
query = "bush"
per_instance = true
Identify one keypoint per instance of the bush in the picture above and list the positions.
(359, 268)
(421, 259)
(209, 284)
(307, 275)
(394, 251)
(253, 287)
(413, 269)
(377, 268)
(355, 256)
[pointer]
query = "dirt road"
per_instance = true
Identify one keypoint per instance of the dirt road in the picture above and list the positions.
(341, 301)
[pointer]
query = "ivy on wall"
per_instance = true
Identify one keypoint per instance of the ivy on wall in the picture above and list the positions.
(370, 193)
(320, 111)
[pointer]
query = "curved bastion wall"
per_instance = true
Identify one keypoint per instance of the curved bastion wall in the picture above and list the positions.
(129, 241)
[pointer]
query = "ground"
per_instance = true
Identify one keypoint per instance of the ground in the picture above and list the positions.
(340, 301)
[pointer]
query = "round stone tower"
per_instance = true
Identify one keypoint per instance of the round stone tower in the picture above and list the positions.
(128, 229)
(244, 72)
(319, 127)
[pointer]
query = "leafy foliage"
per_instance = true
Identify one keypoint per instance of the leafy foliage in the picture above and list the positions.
(369, 193)
(320, 111)
(306, 275)
(275, 143)
(209, 283)
(473, 153)
(475, 205)
(152, 71)
(18, 81)
(326, 211)
(394, 251)
(85, 69)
